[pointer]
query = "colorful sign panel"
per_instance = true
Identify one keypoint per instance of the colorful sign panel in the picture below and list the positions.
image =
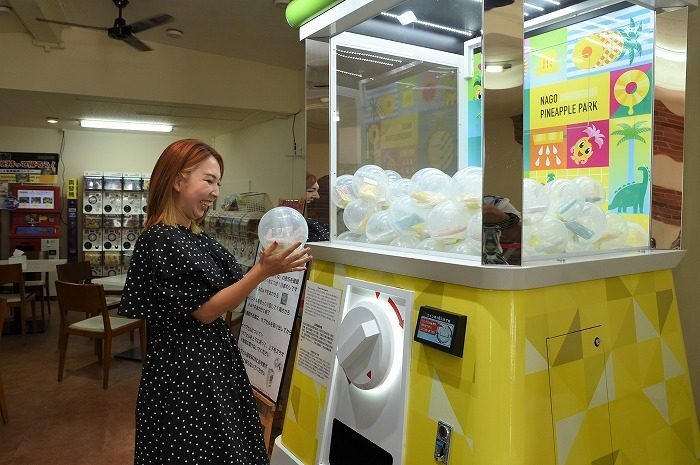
(29, 168)
(588, 99)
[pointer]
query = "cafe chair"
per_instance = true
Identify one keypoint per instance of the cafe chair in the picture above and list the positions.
(90, 299)
(3, 402)
(18, 298)
(81, 272)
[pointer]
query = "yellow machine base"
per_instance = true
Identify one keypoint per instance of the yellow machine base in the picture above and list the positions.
(590, 373)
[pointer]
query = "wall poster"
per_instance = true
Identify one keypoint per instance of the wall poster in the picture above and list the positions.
(29, 168)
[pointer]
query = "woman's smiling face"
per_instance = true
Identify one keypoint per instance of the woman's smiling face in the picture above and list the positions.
(195, 192)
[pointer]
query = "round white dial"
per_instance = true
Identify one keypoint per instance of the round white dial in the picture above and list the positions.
(365, 341)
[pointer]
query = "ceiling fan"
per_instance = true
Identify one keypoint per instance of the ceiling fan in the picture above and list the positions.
(121, 30)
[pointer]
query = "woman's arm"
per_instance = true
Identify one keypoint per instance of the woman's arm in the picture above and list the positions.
(270, 264)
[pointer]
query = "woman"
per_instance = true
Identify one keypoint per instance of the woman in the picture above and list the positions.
(311, 188)
(195, 404)
(318, 231)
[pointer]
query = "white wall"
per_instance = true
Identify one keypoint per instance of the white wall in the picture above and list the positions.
(317, 160)
(259, 158)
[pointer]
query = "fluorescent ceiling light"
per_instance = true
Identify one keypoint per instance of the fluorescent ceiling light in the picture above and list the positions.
(534, 7)
(432, 25)
(353, 52)
(51, 120)
(348, 73)
(407, 17)
(350, 57)
(125, 125)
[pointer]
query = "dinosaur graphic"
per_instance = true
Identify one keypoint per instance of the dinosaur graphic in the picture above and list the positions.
(631, 194)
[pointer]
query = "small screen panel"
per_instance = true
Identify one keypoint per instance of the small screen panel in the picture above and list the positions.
(442, 330)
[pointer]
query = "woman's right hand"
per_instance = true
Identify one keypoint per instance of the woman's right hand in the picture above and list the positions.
(273, 262)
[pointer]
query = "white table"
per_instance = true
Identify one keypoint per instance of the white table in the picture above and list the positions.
(112, 283)
(42, 265)
(48, 266)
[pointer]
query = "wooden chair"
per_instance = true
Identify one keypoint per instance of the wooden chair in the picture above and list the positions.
(18, 299)
(81, 273)
(3, 402)
(90, 299)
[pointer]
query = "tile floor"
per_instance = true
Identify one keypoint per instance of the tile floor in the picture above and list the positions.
(74, 422)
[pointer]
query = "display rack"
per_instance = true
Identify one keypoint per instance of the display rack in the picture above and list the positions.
(237, 231)
(114, 210)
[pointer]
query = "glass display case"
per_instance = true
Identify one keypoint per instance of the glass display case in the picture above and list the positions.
(534, 140)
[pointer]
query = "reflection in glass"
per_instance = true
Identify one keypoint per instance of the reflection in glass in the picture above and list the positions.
(398, 137)
(406, 130)
(317, 129)
(669, 126)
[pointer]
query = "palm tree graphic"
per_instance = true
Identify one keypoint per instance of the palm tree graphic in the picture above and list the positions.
(630, 134)
(632, 45)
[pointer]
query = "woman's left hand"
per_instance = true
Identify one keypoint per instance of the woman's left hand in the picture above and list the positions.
(273, 262)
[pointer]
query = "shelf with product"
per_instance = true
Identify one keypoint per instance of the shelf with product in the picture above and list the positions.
(237, 230)
(113, 213)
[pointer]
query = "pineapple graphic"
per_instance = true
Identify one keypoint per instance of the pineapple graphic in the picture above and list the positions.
(603, 48)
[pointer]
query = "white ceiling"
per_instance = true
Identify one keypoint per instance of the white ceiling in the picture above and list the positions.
(254, 30)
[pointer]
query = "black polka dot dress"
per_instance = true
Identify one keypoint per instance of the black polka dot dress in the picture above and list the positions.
(195, 404)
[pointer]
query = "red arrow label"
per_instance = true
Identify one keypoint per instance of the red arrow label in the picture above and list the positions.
(396, 310)
(369, 374)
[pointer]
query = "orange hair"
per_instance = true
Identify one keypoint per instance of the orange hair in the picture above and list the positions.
(178, 159)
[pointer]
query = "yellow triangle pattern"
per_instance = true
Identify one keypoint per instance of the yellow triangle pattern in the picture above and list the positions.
(500, 388)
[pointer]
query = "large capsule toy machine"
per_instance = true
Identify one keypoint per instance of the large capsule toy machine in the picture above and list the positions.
(498, 286)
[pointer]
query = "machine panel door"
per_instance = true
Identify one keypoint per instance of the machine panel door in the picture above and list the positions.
(578, 388)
